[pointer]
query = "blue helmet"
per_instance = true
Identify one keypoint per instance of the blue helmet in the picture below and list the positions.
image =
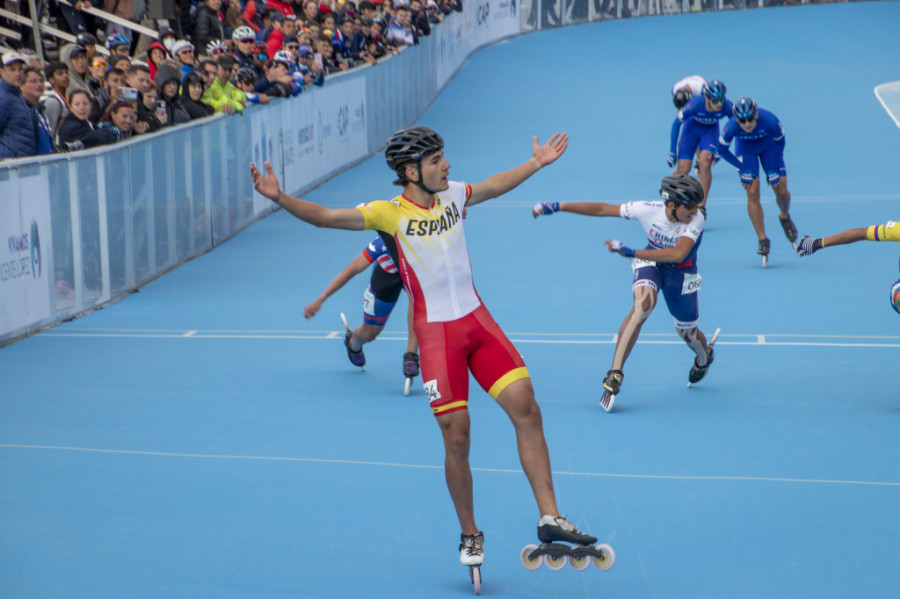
(714, 89)
(115, 40)
(745, 109)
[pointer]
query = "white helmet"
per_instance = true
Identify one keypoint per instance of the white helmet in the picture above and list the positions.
(180, 46)
(216, 47)
(243, 33)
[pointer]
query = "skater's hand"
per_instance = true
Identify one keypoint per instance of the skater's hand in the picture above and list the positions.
(716, 159)
(311, 309)
(670, 159)
(617, 246)
(746, 178)
(266, 185)
(544, 208)
(808, 245)
(550, 151)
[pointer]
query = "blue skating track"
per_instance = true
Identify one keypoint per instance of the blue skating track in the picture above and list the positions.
(201, 439)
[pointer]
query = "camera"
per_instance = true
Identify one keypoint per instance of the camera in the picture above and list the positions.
(129, 93)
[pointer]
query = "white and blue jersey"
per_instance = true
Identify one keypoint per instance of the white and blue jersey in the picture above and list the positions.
(696, 128)
(764, 144)
(680, 282)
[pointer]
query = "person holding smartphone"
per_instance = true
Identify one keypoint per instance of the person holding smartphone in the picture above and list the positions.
(152, 110)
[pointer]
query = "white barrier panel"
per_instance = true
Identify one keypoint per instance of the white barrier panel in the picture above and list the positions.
(324, 131)
(25, 265)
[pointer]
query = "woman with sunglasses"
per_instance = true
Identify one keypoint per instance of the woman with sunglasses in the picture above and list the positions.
(759, 139)
(674, 228)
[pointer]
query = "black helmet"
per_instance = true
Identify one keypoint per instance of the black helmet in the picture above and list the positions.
(681, 97)
(681, 189)
(85, 39)
(411, 145)
(246, 75)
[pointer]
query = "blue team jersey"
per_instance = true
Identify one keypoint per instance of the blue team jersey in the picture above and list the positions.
(696, 109)
(768, 131)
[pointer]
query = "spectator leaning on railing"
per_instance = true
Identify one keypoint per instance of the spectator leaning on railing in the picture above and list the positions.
(18, 125)
(221, 94)
(76, 132)
(168, 79)
(192, 88)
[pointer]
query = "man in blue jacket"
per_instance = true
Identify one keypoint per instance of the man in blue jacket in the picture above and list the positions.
(18, 127)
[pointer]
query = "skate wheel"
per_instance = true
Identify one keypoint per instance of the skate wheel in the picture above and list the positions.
(531, 564)
(765, 260)
(407, 386)
(607, 400)
(608, 559)
(557, 564)
(475, 575)
(580, 564)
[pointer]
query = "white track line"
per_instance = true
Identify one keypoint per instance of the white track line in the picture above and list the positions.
(783, 340)
(203, 456)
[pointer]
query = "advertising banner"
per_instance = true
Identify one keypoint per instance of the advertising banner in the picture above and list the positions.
(24, 252)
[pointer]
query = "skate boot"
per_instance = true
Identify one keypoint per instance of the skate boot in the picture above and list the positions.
(410, 364)
(357, 358)
(611, 386)
(790, 231)
(557, 528)
(764, 246)
(554, 532)
(471, 549)
(698, 372)
(410, 370)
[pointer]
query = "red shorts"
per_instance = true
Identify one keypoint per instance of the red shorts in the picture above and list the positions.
(449, 350)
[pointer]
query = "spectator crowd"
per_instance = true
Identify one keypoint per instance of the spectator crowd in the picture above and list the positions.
(216, 56)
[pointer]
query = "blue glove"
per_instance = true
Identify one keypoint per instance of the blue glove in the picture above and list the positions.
(670, 158)
(544, 208)
(747, 177)
(617, 246)
(774, 178)
(716, 159)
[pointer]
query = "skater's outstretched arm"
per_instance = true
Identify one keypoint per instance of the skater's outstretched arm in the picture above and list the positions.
(676, 254)
(359, 264)
(498, 184)
(335, 218)
(585, 208)
(809, 245)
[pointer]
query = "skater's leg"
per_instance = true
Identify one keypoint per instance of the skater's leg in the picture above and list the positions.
(782, 197)
(644, 302)
(517, 400)
(755, 209)
(455, 430)
(364, 333)
(705, 174)
(695, 340)
(412, 343)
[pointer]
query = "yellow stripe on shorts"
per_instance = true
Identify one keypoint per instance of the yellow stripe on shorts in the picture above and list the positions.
(506, 380)
(453, 404)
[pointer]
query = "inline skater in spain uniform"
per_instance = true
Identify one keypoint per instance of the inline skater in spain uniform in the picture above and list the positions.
(423, 229)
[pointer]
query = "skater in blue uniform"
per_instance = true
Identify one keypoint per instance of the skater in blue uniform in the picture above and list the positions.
(674, 228)
(696, 131)
(758, 139)
(379, 300)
